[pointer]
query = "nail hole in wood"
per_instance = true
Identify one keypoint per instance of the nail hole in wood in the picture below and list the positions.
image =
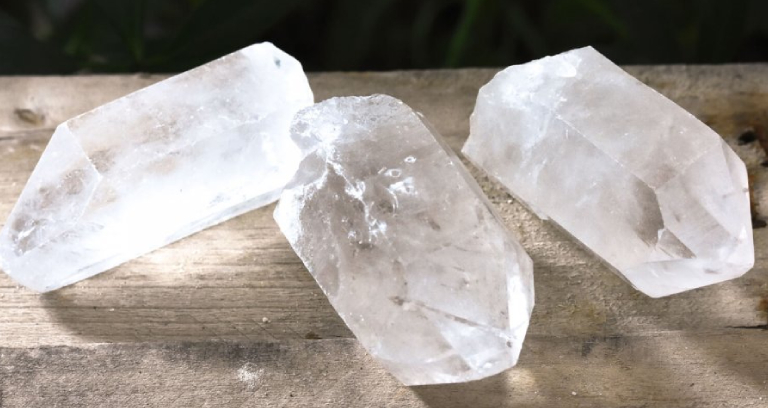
(747, 137)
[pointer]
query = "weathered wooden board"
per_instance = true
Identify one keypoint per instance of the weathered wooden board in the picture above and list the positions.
(661, 370)
(230, 317)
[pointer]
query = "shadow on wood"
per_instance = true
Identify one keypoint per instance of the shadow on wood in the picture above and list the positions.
(489, 392)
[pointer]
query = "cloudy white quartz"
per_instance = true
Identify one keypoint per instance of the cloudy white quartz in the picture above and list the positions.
(404, 243)
(641, 182)
(155, 166)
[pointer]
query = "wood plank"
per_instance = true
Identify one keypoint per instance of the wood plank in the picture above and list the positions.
(216, 284)
(671, 369)
(240, 282)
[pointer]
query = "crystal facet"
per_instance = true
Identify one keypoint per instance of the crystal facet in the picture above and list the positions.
(641, 182)
(155, 166)
(404, 243)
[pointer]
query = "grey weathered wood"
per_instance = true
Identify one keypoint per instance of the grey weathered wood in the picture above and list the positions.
(591, 333)
(669, 369)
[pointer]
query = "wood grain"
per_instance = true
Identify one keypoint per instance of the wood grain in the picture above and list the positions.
(661, 370)
(230, 317)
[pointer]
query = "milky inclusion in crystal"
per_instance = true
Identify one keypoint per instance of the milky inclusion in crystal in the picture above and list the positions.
(404, 243)
(157, 165)
(637, 179)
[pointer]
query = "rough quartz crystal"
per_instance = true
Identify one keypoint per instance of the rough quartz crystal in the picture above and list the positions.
(634, 177)
(157, 165)
(404, 243)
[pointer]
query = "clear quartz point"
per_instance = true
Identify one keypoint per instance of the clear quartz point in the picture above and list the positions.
(639, 181)
(155, 166)
(404, 243)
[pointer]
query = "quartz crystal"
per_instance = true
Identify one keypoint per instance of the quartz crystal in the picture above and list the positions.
(635, 178)
(157, 165)
(404, 243)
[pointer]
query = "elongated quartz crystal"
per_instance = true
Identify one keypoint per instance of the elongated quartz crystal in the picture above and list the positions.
(404, 243)
(638, 180)
(155, 166)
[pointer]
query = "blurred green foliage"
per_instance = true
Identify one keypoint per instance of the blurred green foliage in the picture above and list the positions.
(65, 36)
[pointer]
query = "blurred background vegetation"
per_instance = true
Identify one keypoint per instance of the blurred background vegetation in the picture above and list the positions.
(68, 36)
